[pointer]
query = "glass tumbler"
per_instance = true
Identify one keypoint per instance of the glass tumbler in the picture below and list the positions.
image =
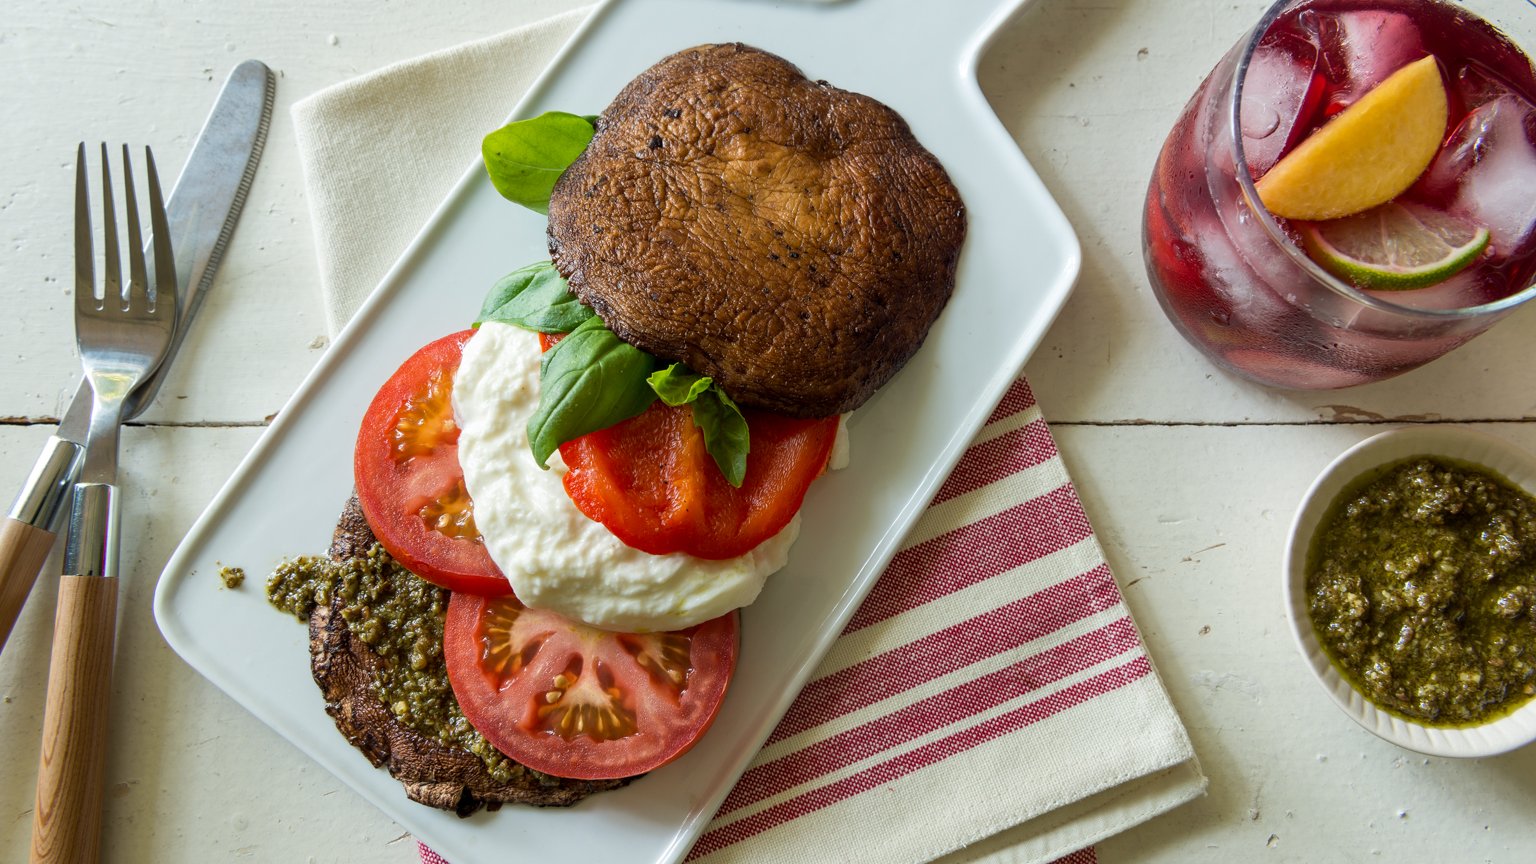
(1235, 280)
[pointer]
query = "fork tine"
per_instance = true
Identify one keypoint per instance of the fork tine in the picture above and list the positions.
(85, 273)
(112, 290)
(166, 300)
(138, 280)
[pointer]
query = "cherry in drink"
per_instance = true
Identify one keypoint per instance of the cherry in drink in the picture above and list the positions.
(1314, 303)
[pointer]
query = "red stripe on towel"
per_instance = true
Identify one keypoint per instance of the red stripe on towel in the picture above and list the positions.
(1001, 457)
(974, 553)
(1018, 398)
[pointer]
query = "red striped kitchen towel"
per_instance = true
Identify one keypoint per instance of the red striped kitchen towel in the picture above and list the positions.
(992, 676)
(974, 687)
(991, 701)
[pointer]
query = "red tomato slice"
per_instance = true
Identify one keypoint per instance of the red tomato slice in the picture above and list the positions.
(573, 701)
(652, 483)
(409, 483)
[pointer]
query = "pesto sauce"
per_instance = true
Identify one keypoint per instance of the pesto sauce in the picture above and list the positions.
(1421, 585)
(232, 577)
(400, 617)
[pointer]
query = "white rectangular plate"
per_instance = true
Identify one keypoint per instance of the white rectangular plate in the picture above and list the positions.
(1018, 265)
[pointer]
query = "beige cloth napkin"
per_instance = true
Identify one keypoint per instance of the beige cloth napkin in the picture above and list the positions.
(1034, 725)
(381, 152)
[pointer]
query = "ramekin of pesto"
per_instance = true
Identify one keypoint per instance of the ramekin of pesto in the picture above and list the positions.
(1413, 582)
(1422, 589)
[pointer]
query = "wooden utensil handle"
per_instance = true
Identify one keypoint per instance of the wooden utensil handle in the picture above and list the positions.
(23, 550)
(66, 822)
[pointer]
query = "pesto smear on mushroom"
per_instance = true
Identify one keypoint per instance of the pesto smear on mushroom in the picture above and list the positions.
(399, 617)
(1421, 585)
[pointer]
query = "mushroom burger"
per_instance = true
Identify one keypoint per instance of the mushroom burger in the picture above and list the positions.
(611, 461)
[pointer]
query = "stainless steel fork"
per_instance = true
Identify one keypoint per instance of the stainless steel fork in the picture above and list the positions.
(123, 336)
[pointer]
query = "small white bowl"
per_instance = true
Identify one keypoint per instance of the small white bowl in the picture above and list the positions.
(1513, 464)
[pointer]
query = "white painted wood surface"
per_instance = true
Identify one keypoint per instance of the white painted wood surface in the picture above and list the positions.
(1189, 475)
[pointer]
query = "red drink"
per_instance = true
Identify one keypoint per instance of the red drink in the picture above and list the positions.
(1234, 279)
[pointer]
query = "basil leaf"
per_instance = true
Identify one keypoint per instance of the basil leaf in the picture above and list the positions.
(526, 157)
(725, 429)
(679, 385)
(725, 433)
(534, 298)
(588, 381)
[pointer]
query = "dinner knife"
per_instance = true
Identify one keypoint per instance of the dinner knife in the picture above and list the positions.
(202, 211)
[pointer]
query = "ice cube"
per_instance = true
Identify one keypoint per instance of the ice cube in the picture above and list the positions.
(1243, 263)
(1487, 172)
(1362, 48)
(1467, 288)
(1281, 88)
(1477, 86)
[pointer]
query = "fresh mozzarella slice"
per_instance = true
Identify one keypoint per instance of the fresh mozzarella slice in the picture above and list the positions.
(555, 557)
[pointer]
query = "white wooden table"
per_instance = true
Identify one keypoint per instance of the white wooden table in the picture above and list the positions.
(1190, 476)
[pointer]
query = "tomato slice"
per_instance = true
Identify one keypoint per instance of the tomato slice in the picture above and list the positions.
(651, 481)
(574, 701)
(409, 483)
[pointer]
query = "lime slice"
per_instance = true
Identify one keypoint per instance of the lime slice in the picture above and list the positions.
(1368, 154)
(1394, 247)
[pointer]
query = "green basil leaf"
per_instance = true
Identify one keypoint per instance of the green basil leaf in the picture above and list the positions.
(588, 381)
(526, 157)
(725, 433)
(679, 385)
(534, 298)
(725, 429)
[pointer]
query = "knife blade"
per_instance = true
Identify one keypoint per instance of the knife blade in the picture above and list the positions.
(202, 211)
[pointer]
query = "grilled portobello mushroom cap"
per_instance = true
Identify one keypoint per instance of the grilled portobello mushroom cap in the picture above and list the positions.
(791, 240)
(433, 773)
